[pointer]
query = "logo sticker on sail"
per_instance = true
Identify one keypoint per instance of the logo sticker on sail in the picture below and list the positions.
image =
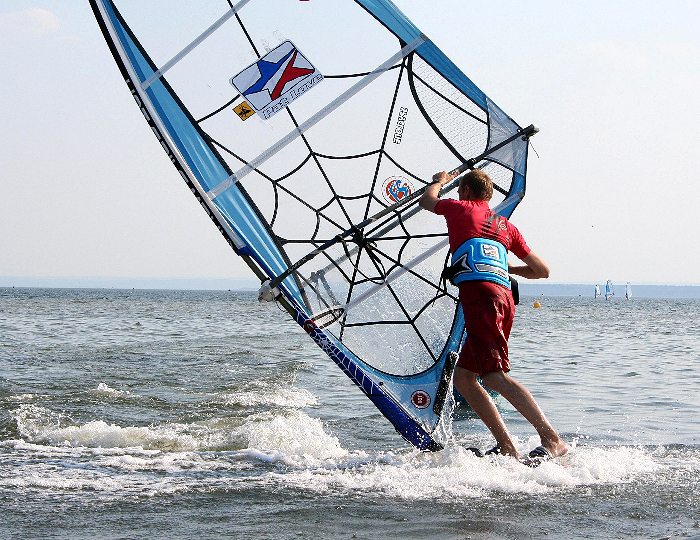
(421, 399)
(275, 80)
(310, 327)
(396, 188)
(244, 110)
(400, 124)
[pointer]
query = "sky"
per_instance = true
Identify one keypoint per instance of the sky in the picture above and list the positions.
(87, 191)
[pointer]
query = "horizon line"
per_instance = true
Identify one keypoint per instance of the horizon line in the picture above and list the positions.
(111, 282)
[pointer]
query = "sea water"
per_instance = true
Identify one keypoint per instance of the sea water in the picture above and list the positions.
(180, 414)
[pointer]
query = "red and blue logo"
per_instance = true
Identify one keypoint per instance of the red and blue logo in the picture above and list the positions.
(275, 80)
(420, 399)
(396, 189)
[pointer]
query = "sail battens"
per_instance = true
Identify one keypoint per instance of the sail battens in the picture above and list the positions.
(193, 44)
(325, 111)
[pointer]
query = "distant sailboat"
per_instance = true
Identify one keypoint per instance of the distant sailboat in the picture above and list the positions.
(609, 292)
(596, 293)
(628, 291)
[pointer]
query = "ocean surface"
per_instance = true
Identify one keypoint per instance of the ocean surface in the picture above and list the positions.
(197, 414)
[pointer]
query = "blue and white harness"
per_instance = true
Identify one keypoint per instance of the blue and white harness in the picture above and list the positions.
(479, 259)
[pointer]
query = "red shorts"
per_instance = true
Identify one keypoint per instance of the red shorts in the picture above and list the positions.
(488, 317)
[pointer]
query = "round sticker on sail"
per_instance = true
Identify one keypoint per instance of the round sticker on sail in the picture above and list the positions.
(396, 188)
(420, 398)
(309, 327)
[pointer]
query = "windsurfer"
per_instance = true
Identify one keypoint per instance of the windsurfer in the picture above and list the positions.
(479, 241)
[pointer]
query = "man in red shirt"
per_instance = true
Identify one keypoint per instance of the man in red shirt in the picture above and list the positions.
(479, 241)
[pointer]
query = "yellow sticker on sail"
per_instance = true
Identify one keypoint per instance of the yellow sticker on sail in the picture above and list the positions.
(243, 110)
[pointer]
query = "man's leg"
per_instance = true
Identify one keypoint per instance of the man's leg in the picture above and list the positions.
(481, 402)
(521, 398)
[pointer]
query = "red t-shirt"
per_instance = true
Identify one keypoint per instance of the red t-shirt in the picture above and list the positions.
(474, 219)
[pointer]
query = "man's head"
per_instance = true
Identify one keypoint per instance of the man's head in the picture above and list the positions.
(475, 186)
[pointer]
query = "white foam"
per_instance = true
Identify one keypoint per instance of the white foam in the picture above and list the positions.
(456, 473)
(592, 465)
(99, 481)
(102, 434)
(275, 396)
(105, 390)
(22, 397)
(45, 476)
(293, 437)
(43, 450)
(313, 460)
(288, 436)
(40, 425)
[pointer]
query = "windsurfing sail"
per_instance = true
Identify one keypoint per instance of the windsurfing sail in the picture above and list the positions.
(307, 130)
(628, 291)
(609, 291)
(596, 292)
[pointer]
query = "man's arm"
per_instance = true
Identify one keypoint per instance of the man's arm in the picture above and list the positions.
(431, 195)
(535, 268)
